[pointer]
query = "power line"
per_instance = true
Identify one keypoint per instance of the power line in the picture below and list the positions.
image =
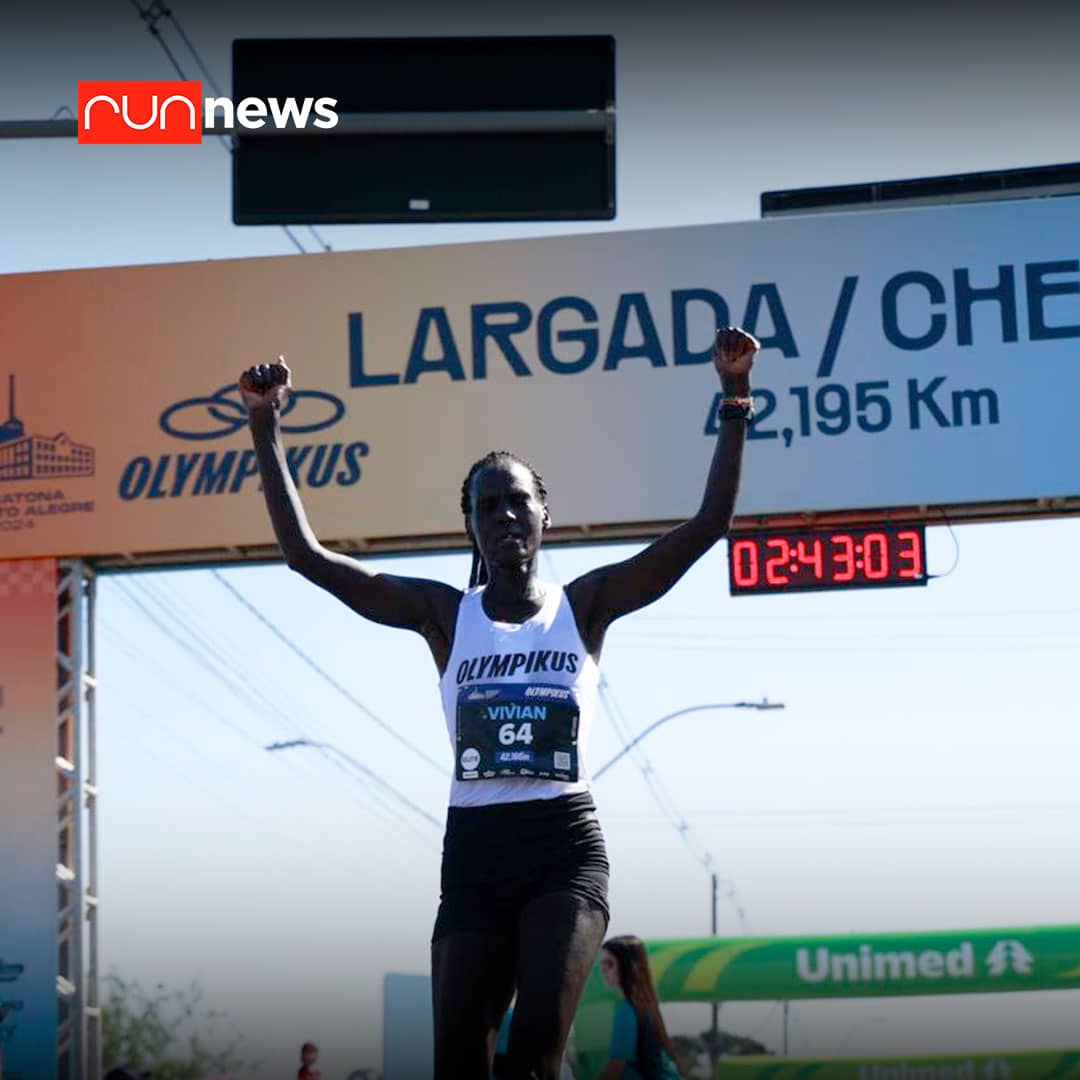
(956, 548)
(289, 233)
(164, 676)
(880, 650)
(889, 615)
(766, 1022)
(833, 811)
(151, 16)
(171, 16)
(221, 645)
(186, 690)
(258, 699)
(318, 239)
(655, 784)
(361, 768)
(160, 728)
(887, 638)
(231, 684)
(857, 820)
(665, 802)
(244, 692)
(177, 602)
(324, 674)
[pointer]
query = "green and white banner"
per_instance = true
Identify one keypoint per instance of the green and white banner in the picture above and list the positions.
(1021, 1065)
(941, 962)
(857, 965)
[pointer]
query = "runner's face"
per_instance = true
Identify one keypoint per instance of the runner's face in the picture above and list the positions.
(508, 518)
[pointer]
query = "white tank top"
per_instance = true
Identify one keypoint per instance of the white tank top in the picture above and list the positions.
(544, 651)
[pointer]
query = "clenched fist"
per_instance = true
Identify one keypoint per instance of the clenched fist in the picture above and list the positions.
(265, 385)
(733, 356)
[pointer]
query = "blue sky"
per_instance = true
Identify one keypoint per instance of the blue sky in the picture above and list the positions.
(921, 775)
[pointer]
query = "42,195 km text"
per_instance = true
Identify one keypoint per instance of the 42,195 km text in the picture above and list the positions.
(872, 406)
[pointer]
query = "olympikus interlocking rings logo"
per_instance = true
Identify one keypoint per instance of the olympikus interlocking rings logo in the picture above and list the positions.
(217, 470)
(221, 413)
(113, 112)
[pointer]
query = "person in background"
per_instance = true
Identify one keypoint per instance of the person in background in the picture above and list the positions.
(640, 1047)
(309, 1055)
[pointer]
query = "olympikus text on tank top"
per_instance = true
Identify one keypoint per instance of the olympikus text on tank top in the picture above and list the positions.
(519, 701)
(507, 665)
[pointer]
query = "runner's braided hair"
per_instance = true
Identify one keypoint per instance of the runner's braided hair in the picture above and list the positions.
(479, 575)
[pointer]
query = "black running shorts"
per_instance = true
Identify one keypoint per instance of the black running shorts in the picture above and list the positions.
(497, 858)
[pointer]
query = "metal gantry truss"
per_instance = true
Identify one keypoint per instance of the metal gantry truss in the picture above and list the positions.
(77, 982)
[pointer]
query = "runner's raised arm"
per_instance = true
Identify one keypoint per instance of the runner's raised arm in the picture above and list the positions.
(603, 595)
(427, 607)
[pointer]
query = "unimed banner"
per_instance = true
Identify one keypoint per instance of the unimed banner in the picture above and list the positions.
(952, 962)
(919, 357)
(28, 825)
(874, 965)
(1023, 1065)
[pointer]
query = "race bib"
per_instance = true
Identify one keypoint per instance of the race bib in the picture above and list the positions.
(517, 730)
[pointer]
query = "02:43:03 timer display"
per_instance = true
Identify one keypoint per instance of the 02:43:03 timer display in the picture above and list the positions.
(779, 561)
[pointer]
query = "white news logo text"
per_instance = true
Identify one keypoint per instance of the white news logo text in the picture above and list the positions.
(252, 113)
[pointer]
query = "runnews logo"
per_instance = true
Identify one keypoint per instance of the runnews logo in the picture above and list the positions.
(113, 112)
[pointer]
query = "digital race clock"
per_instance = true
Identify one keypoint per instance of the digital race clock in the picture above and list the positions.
(799, 560)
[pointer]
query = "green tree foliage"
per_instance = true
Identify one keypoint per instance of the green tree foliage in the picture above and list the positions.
(692, 1052)
(169, 1034)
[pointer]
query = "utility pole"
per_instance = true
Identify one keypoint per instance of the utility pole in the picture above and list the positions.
(714, 1039)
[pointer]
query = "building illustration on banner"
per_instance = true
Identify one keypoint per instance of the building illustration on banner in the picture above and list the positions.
(30, 457)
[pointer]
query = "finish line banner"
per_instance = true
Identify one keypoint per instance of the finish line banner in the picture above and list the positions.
(905, 360)
(1021, 1065)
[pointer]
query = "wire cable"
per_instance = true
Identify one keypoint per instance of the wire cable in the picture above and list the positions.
(318, 239)
(657, 789)
(324, 674)
(360, 769)
(246, 735)
(169, 14)
(151, 16)
(159, 728)
(956, 547)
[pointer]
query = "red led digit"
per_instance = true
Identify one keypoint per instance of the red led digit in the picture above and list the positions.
(846, 556)
(812, 555)
(876, 556)
(744, 563)
(809, 559)
(914, 553)
(773, 575)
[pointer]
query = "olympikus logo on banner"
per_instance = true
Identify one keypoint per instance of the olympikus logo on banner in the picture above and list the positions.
(113, 112)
